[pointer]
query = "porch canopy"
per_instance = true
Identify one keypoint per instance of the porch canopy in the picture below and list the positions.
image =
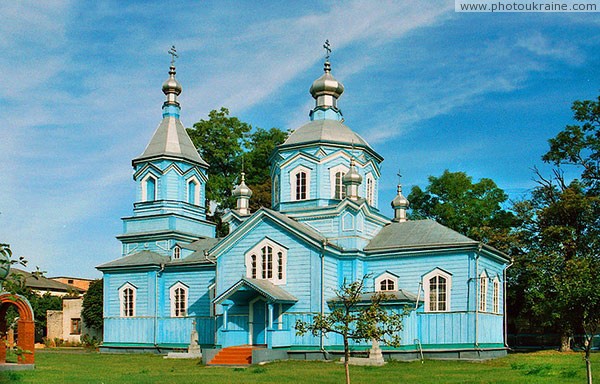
(246, 289)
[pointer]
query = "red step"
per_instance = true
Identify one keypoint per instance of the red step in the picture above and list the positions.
(233, 356)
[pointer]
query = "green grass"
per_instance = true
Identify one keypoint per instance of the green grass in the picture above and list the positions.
(84, 367)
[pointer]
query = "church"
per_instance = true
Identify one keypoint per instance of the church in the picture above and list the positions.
(282, 264)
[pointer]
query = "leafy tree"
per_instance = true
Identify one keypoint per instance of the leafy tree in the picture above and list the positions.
(260, 145)
(354, 320)
(473, 209)
(579, 145)
(92, 305)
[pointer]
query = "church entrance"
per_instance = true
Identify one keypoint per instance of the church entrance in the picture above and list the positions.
(258, 321)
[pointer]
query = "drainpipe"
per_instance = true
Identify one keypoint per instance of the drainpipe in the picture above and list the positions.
(162, 268)
(504, 300)
(477, 283)
(321, 343)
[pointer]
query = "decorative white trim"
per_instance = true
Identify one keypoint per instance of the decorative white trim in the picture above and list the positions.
(176, 252)
(196, 198)
(293, 186)
(347, 226)
(276, 189)
(386, 276)
(483, 290)
(496, 295)
(333, 171)
(269, 262)
(183, 309)
(144, 182)
(439, 273)
(251, 318)
(127, 312)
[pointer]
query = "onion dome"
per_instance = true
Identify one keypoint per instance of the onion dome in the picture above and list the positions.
(171, 87)
(400, 205)
(351, 180)
(242, 193)
(326, 85)
(242, 190)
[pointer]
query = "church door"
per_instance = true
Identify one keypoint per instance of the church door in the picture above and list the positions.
(258, 322)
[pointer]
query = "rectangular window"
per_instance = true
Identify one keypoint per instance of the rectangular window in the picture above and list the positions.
(128, 302)
(269, 262)
(264, 262)
(301, 186)
(496, 298)
(75, 326)
(280, 265)
(482, 294)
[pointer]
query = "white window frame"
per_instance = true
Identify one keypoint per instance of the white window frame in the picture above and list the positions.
(276, 190)
(173, 298)
(426, 289)
(483, 291)
(196, 198)
(496, 295)
(333, 171)
(370, 189)
(122, 302)
(277, 266)
(144, 182)
(176, 252)
(293, 185)
(386, 276)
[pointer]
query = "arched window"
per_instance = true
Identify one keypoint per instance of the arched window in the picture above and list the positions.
(300, 183)
(276, 190)
(127, 295)
(386, 282)
(336, 174)
(267, 260)
(483, 284)
(177, 252)
(496, 296)
(437, 286)
(179, 299)
(370, 190)
(149, 188)
(193, 191)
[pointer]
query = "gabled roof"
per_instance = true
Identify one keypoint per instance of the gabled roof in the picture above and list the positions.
(265, 288)
(171, 140)
(41, 283)
(417, 234)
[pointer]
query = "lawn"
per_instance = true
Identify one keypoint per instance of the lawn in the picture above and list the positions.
(82, 367)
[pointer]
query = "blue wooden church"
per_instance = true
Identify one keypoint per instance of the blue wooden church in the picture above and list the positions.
(282, 264)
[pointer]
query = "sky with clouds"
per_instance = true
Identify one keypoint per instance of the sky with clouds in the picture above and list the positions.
(429, 88)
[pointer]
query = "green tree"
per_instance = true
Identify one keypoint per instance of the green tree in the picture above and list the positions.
(260, 145)
(91, 311)
(356, 320)
(579, 145)
(473, 209)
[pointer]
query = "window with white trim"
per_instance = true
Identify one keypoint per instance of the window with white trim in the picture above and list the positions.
(276, 190)
(177, 252)
(496, 295)
(267, 261)
(149, 183)
(370, 189)
(437, 286)
(336, 174)
(483, 284)
(300, 183)
(386, 282)
(179, 299)
(127, 294)
(193, 191)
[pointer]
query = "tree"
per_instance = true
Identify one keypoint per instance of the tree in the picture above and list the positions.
(356, 320)
(226, 144)
(260, 145)
(91, 311)
(472, 209)
(579, 145)
(219, 141)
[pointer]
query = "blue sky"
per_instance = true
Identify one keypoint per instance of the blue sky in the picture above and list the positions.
(429, 88)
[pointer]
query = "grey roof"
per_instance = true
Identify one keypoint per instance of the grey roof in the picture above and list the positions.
(267, 289)
(296, 225)
(325, 131)
(399, 296)
(171, 139)
(417, 234)
(43, 284)
(137, 259)
(198, 256)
